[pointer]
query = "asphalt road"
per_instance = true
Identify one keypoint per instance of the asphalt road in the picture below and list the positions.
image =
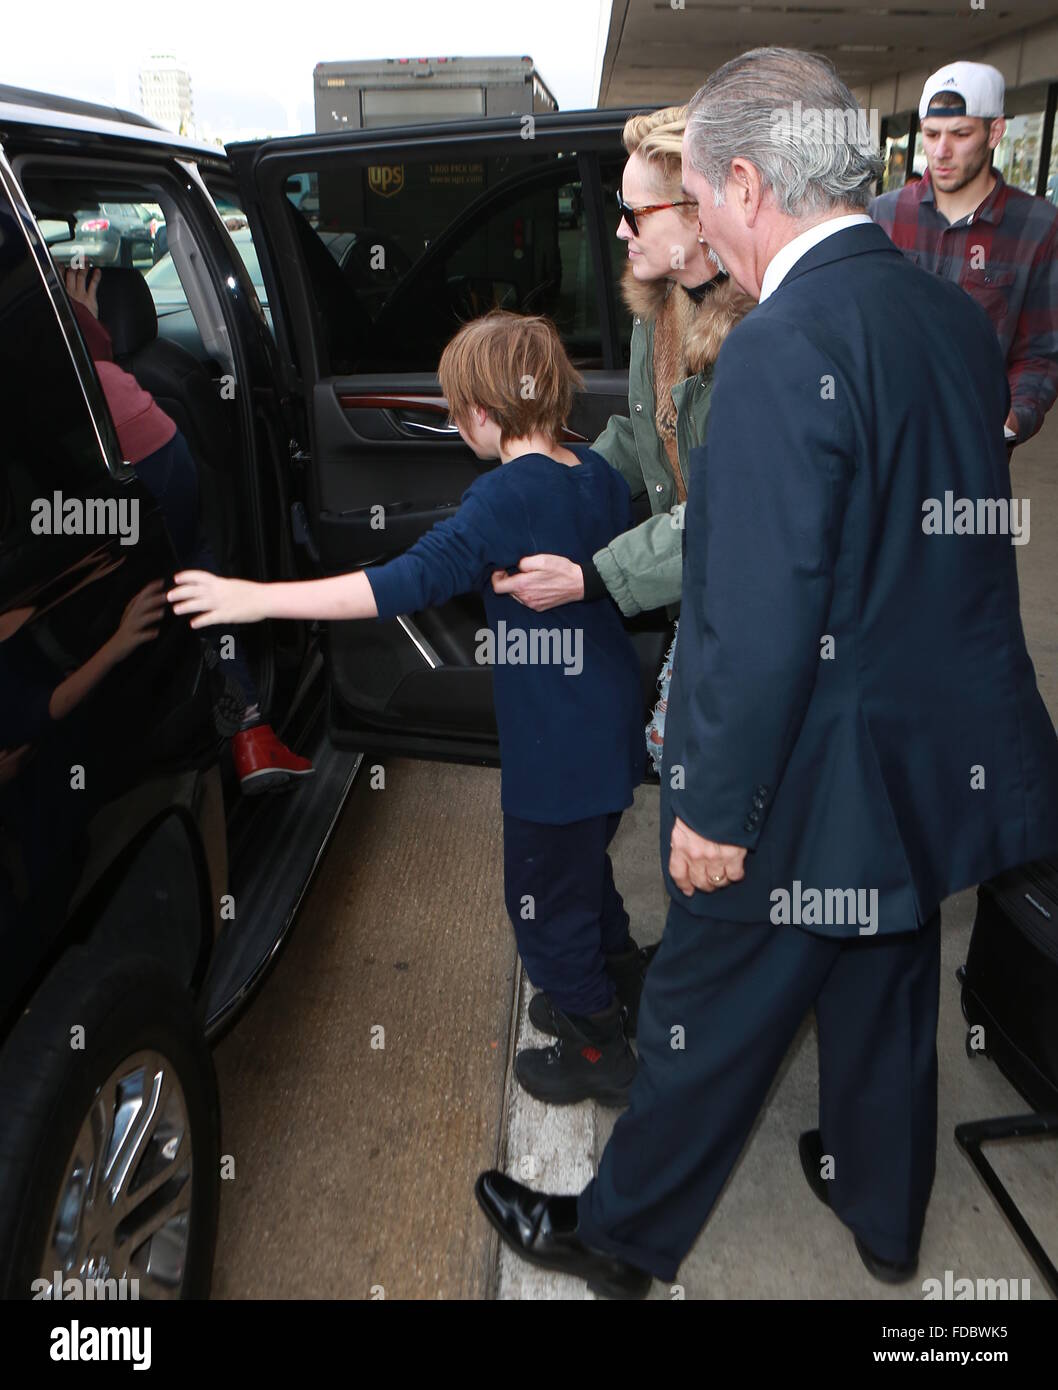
(355, 1150)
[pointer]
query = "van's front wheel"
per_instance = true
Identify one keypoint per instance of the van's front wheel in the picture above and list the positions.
(109, 1160)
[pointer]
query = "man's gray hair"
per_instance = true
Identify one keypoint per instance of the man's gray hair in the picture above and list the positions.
(793, 118)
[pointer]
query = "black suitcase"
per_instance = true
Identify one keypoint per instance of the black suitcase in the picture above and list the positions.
(1010, 1001)
(1010, 981)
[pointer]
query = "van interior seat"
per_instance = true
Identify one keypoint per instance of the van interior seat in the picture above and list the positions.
(181, 387)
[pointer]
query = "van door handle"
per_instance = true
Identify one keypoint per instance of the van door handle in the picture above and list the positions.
(435, 431)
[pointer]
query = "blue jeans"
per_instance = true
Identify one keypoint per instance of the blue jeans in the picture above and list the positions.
(655, 730)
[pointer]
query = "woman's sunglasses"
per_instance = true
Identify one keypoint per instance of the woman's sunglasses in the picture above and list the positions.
(630, 214)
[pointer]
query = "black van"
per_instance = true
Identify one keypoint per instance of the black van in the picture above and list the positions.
(311, 282)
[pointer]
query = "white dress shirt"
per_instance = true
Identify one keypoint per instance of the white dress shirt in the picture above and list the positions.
(784, 260)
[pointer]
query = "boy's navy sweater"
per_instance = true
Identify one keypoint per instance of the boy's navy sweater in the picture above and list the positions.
(571, 745)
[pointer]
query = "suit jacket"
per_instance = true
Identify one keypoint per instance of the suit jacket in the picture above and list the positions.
(852, 697)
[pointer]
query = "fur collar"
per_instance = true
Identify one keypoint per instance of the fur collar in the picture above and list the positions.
(703, 327)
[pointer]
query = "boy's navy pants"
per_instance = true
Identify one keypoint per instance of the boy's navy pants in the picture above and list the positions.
(567, 913)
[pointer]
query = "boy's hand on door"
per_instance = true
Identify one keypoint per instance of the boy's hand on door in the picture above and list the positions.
(216, 600)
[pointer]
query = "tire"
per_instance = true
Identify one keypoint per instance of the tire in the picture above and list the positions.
(139, 1025)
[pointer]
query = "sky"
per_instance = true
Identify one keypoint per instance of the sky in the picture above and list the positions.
(251, 64)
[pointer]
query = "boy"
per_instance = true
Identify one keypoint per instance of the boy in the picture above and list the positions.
(569, 702)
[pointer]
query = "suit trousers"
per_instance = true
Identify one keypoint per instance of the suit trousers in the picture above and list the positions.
(721, 1003)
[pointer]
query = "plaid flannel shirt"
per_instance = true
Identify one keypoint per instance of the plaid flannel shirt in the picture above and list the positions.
(1005, 254)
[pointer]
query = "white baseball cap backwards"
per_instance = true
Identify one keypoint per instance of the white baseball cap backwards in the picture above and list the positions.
(981, 87)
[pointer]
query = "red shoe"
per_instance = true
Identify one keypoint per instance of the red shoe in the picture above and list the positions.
(264, 763)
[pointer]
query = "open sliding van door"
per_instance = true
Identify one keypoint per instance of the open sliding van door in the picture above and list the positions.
(377, 245)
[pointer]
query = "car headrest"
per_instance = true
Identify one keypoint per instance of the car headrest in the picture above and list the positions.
(126, 310)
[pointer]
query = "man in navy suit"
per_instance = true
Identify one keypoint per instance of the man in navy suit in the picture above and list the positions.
(854, 729)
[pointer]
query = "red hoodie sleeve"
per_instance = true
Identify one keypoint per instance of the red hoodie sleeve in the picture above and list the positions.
(142, 426)
(97, 339)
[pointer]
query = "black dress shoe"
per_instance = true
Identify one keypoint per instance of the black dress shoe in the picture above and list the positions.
(888, 1271)
(810, 1149)
(543, 1229)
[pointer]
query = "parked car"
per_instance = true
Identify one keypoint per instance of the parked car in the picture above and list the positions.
(109, 234)
(141, 898)
(176, 323)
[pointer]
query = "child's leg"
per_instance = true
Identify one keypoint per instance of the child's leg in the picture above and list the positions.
(554, 886)
(614, 919)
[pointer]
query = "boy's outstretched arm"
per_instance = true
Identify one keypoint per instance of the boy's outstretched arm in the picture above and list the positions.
(217, 600)
(453, 557)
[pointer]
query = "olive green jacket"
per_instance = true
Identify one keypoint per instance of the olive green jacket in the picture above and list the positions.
(643, 568)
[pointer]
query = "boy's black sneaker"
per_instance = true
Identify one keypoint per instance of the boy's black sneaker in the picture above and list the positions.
(547, 1017)
(628, 969)
(625, 968)
(590, 1060)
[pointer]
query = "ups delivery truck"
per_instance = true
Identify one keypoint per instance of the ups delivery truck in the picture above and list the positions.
(417, 91)
(379, 216)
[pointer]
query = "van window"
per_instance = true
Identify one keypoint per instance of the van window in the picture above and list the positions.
(136, 236)
(400, 254)
(50, 442)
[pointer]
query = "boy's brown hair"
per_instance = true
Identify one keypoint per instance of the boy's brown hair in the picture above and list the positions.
(515, 367)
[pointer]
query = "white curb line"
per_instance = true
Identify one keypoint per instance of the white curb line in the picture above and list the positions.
(550, 1148)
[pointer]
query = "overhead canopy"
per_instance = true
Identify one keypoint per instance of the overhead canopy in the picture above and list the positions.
(657, 55)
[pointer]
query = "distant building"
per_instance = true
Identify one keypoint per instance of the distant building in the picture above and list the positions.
(165, 93)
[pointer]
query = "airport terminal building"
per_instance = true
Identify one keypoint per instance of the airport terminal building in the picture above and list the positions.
(658, 54)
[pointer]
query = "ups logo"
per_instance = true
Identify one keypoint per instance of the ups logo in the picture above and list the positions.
(385, 179)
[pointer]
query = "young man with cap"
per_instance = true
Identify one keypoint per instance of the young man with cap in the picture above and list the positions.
(963, 221)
